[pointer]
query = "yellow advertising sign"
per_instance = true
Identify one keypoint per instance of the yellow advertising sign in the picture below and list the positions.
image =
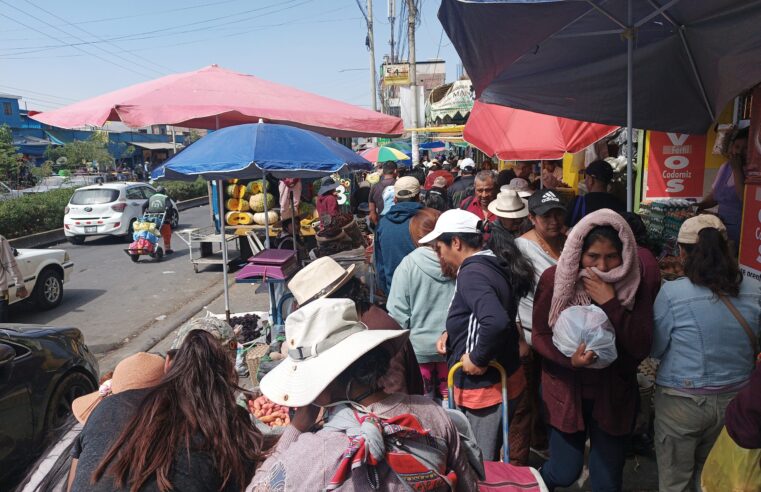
(396, 74)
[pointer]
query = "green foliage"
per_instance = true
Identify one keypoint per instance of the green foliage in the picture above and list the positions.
(79, 153)
(10, 160)
(185, 190)
(194, 135)
(32, 213)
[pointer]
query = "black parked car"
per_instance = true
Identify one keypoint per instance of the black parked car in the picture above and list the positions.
(42, 370)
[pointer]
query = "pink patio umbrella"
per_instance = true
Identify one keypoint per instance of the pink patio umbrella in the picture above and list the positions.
(214, 98)
(515, 134)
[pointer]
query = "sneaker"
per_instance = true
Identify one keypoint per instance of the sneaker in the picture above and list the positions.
(168, 251)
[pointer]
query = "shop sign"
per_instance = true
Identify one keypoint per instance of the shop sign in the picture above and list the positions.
(396, 74)
(750, 237)
(675, 165)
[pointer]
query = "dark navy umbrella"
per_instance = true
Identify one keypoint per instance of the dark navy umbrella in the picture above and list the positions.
(668, 65)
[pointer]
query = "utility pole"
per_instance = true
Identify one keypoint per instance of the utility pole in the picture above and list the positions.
(371, 46)
(391, 19)
(413, 76)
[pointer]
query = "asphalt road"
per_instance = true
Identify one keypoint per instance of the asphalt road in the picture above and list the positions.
(111, 299)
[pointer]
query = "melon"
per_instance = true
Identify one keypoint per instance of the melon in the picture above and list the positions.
(306, 208)
(257, 202)
(255, 187)
(237, 205)
(259, 218)
(237, 191)
(239, 218)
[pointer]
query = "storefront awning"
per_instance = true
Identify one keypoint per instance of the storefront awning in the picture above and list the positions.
(156, 145)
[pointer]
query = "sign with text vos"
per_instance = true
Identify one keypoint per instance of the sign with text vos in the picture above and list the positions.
(750, 238)
(675, 164)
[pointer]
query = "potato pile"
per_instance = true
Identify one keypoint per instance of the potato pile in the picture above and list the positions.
(269, 413)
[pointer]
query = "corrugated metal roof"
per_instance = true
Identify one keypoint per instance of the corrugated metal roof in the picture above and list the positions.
(155, 145)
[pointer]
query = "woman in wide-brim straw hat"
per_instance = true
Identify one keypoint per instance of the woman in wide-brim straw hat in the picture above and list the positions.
(325, 277)
(334, 362)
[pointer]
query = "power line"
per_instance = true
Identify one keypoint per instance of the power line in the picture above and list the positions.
(133, 16)
(130, 69)
(8, 87)
(166, 69)
(203, 40)
(147, 34)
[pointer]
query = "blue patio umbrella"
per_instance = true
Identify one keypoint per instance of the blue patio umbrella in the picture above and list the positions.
(668, 65)
(252, 151)
(249, 151)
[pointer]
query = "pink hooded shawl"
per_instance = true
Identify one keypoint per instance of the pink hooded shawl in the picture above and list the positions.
(569, 290)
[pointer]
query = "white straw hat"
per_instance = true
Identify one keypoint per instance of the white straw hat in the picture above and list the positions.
(323, 339)
(509, 205)
(320, 278)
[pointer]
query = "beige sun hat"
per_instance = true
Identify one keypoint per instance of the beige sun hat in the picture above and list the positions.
(509, 205)
(690, 229)
(323, 339)
(138, 371)
(320, 278)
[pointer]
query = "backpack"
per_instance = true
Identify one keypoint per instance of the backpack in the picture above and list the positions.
(459, 196)
(157, 203)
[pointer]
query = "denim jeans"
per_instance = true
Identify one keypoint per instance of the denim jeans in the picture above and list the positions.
(606, 457)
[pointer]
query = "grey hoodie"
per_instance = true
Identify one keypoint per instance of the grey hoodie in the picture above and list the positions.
(419, 301)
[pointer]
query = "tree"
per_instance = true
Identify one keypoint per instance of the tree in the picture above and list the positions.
(10, 159)
(81, 153)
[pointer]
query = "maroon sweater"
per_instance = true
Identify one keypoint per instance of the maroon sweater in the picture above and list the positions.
(743, 416)
(615, 390)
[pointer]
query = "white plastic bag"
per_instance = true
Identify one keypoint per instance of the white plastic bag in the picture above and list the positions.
(590, 325)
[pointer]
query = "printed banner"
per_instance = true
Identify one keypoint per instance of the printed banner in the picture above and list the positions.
(675, 164)
(750, 238)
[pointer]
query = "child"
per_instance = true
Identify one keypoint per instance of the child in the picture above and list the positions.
(327, 202)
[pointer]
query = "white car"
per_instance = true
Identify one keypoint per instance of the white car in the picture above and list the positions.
(108, 209)
(45, 271)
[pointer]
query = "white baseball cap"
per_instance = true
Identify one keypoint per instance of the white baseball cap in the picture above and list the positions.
(453, 221)
(463, 163)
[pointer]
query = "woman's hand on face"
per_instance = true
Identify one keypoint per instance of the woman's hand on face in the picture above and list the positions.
(471, 369)
(583, 357)
(596, 288)
(441, 344)
(305, 417)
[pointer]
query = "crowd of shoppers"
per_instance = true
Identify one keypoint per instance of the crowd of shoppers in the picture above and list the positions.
(472, 268)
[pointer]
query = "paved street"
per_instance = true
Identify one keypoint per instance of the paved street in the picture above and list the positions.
(111, 299)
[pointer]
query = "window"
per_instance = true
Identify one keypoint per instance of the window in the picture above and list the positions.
(94, 196)
(148, 191)
(7, 109)
(135, 193)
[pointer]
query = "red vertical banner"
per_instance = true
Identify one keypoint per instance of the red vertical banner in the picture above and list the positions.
(750, 238)
(753, 166)
(675, 165)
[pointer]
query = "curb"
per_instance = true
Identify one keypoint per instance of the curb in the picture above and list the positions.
(56, 236)
(157, 331)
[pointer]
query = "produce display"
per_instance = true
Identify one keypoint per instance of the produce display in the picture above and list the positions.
(256, 202)
(249, 327)
(237, 191)
(269, 218)
(663, 218)
(269, 413)
(239, 218)
(237, 205)
(255, 187)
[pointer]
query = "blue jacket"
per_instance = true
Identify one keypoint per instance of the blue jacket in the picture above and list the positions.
(393, 241)
(419, 299)
(699, 342)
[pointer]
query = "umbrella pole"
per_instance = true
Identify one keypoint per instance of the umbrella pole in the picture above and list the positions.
(629, 108)
(221, 200)
(293, 218)
(266, 217)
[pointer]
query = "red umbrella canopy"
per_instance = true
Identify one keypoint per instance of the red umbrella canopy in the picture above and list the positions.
(515, 134)
(213, 98)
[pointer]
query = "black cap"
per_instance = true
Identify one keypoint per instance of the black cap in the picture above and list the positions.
(600, 170)
(543, 201)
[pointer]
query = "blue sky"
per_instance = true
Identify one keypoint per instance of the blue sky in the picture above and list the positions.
(314, 45)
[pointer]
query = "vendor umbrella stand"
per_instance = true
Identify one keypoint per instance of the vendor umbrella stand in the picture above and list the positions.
(253, 151)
